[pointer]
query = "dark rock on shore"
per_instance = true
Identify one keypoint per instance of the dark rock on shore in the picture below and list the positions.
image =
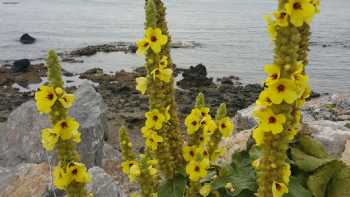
(21, 65)
(27, 39)
(195, 76)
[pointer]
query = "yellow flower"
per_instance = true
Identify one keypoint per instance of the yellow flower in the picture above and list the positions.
(274, 72)
(286, 173)
(66, 128)
(300, 79)
(300, 11)
(283, 90)
(76, 136)
(132, 169)
(153, 140)
(256, 163)
(154, 119)
(264, 99)
(78, 172)
(205, 190)
(67, 100)
(204, 111)
(271, 27)
(60, 178)
(146, 131)
(281, 18)
(141, 84)
(225, 126)
(192, 121)
(49, 138)
(258, 135)
(209, 126)
(163, 62)
(167, 114)
(156, 39)
(292, 132)
(269, 121)
(142, 46)
(197, 169)
(217, 153)
(45, 98)
(316, 4)
(189, 153)
(163, 74)
(279, 189)
(202, 154)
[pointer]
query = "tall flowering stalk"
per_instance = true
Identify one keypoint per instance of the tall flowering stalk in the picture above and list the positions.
(278, 106)
(163, 137)
(69, 175)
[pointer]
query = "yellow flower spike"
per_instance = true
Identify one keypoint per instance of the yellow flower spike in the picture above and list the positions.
(162, 74)
(205, 190)
(279, 189)
(225, 126)
(272, 122)
(281, 18)
(45, 98)
(156, 39)
(142, 46)
(197, 169)
(258, 135)
(189, 153)
(60, 178)
(300, 11)
(210, 127)
(153, 140)
(66, 128)
(283, 90)
(163, 62)
(67, 100)
(274, 72)
(76, 136)
(49, 138)
(271, 27)
(78, 172)
(264, 99)
(192, 121)
(286, 173)
(154, 119)
(141, 84)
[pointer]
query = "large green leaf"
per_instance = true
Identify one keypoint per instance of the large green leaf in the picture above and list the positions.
(318, 182)
(173, 187)
(296, 189)
(312, 147)
(339, 186)
(240, 174)
(307, 162)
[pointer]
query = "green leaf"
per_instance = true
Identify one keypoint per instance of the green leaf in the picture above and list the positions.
(307, 162)
(312, 147)
(296, 189)
(173, 187)
(340, 183)
(240, 174)
(318, 182)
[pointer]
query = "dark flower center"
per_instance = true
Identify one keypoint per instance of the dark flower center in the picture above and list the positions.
(297, 6)
(146, 44)
(278, 187)
(272, 120)
(282, 15)
(75, 171)
(223, 125)
(192, 153)
(194, 123)
(274, 76)
(154, 39)
(64, 125)
(50, 96)
(281, 88)
(155, 118)
(197, 169)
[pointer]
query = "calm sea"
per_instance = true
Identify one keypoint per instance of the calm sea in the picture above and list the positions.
(232, 33)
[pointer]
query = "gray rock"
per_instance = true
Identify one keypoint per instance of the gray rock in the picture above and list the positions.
(244, 120)
(103, 184)
(333, 135)
(20, 139)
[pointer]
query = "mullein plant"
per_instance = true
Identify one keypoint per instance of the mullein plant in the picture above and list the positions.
(166, 154)
(69, 174)
(286, 88)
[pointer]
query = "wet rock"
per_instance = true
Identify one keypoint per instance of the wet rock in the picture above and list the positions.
(27, 39)
(195, 76)
(25, 180)
(103, 184)
(21, 65)
(20, 140)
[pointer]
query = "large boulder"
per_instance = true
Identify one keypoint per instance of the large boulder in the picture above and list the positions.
(103, 184)
(20, 138)
(195, 76)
